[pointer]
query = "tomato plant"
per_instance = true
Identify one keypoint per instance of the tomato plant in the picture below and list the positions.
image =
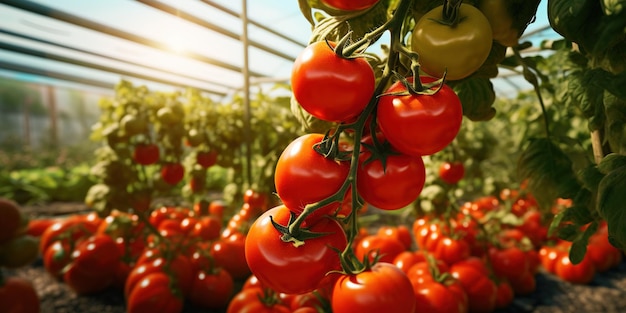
(285, 267)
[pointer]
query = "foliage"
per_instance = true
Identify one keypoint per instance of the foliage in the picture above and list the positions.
(182, 125)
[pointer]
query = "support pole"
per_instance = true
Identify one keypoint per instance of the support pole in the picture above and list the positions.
(246, 90)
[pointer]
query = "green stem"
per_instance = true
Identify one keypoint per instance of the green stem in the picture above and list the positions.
(532, 79)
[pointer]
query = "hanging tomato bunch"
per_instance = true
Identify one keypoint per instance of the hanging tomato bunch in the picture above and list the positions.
(371, 123)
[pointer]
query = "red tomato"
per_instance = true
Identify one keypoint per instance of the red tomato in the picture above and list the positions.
(172, 173)
(581, 273)
(278, 264)
(451, 172)
(36, 227)
(93, 266)
(422, 272)
(76, 227)
(154, 294)
(481, 290)
(207, 228)
(330, 87)
(206, 159)
(350, 5)
(393, 186)
(429, 236)
(404, 260)
(383, 248)
(56, 257)
(304, 176)
(17, 295)
(434, 296)
(212, 290)
(255, 199)
(524, 285)
(383, 288)
(600, 251)
(510, 263)
(549, 256)
(400, 232)
(180, 266)
(256, 300)
(419, 125)
(146, 153)
(505, 294)
(229, 253)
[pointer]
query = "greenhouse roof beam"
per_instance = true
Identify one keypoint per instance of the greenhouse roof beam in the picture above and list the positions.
(76, 20)
(47, 42)
(46, 73)
(196, 20)
(253, 22)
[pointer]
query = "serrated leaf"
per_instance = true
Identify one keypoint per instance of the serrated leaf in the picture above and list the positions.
(549, 172)
(477, 97)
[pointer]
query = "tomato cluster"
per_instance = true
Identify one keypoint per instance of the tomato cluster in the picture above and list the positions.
(159, 259)
(18, 248)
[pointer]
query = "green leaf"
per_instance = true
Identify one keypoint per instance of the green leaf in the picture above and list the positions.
(610, 205)
(591, 177)
(477, 97)
(611, 162)
(579, 246)
(549, 172)
(615, 127)
(569, 17)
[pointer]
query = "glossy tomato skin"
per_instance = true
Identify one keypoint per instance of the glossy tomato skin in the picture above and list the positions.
(481, 291)
(93, 266)
(451, 172)
(212, 290)
(419, 125)
(459, 50)
(581, 273)
(286, 268)
(303, 176)
(251, 300)
(440, 297)
(153, 294)
(329, 87)
(392, 186)
(385, 248)
(229, 253)
(384, 288)
(350, 5)
(17, 295)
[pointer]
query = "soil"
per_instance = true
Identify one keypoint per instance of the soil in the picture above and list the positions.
(605, 294)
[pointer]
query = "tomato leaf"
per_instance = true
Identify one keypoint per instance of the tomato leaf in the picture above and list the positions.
(610, 205)
(549, 172)
(615, 112)
(579, 246)
(477, 97)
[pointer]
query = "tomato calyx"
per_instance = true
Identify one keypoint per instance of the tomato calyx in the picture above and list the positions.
(451, 13)
(297, 235)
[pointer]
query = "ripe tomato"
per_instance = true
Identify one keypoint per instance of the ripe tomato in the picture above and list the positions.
(286, 268)
(256, 199)
(385, 248)
(229, 253)
(383, 288)
(447, 296)
(256, 300)
(146, 153)
(505, 294)
(70, 229)
(172, 173)
(392, 184)
(419, 125)
(400, 232)
(330, 87)
(180, 266)
(509, 262)
(206, 159)
(17, 295)
(216, 208)
(460, 49)
(10, 219)
(36, 227)
(350, 5)
(212, 290)
(93, 265)
(304, 176)
(404, 260)
(581, 273)
(207, 228)
(154, 294)
(56, 257)
(451, 172)
(481, 290)
(431, 237)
